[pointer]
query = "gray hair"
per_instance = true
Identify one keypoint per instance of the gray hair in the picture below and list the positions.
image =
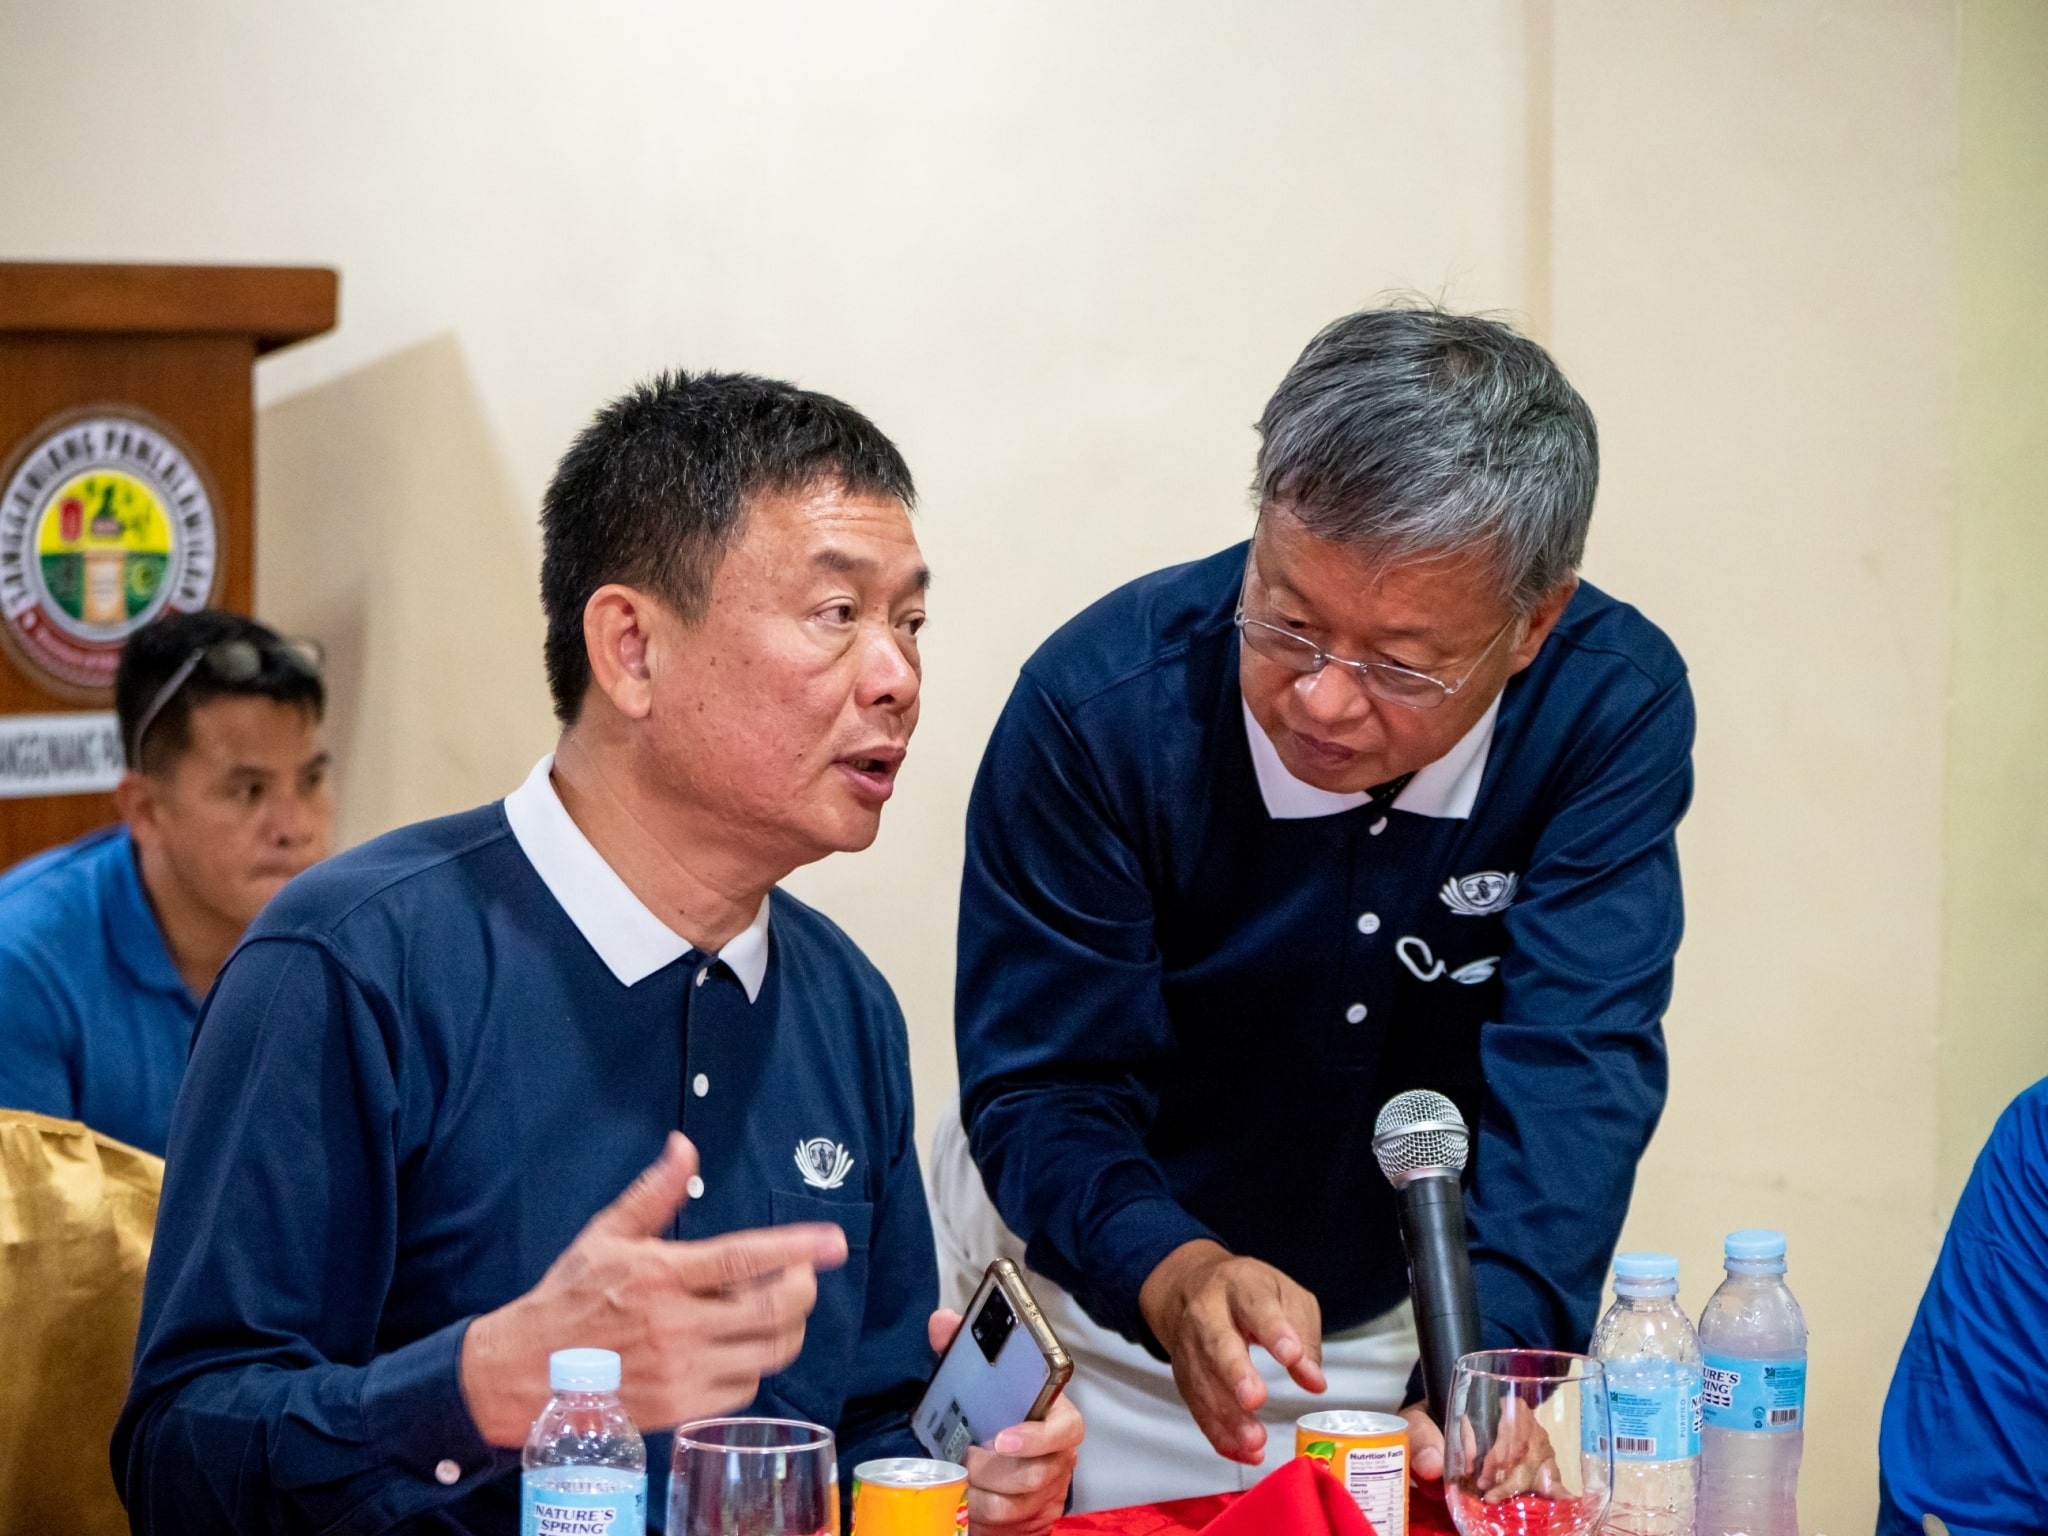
(1415, 432)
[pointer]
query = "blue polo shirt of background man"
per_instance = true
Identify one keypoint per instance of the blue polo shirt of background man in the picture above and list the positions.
(97, 1018)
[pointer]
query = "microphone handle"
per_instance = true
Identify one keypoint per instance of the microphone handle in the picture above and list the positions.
(1439, 1282)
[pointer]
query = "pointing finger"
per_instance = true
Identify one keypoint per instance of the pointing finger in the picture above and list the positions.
(738, 1260)
(1288, 1325)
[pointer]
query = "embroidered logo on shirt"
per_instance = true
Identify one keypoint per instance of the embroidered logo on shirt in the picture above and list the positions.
(1428, 968)
(823, 1162)
(1479, 895)
(1423, 964)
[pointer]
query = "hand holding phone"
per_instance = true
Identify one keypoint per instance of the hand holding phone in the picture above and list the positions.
(1004, 1367)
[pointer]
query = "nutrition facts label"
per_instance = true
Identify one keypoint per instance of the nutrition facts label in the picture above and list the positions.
(1376, 1476)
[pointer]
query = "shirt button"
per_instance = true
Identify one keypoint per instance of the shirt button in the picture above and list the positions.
(1368, 922)
(1378, 827)
(700, 1085)
(695, 1187)
(447, 1474)
(1355, 1013)
(702, 972)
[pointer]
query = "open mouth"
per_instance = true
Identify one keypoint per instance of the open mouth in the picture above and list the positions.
(872, 775)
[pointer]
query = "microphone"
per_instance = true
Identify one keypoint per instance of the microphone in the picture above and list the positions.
(1421, 1143)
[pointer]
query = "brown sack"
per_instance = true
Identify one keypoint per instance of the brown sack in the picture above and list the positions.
(76, 1213)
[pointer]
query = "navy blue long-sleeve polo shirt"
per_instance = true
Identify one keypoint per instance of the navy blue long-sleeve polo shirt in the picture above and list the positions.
(414, 1083)
(1179, 1014)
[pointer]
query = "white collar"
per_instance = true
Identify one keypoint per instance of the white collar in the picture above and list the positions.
(628, 938)
(1448, 787)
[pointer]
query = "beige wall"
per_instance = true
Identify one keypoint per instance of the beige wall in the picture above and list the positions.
(1046, 247)
(1062, 252)
(1994, 1001)
(1754, 250)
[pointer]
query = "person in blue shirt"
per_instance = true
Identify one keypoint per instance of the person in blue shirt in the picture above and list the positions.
(108, 943)
(568, 1069)
(1384, 799)
(1965, 1420)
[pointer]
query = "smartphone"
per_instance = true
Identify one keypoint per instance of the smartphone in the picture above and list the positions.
(1003, 1367)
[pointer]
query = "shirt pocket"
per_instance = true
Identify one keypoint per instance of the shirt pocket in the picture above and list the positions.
(815, 1386)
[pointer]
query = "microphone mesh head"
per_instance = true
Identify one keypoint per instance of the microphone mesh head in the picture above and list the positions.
(1419, 1132)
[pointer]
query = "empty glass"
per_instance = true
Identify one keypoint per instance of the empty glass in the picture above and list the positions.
(753, 1477)
(1526, 1448)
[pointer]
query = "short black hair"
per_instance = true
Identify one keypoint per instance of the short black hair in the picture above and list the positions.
(154, 653)
(655, 490)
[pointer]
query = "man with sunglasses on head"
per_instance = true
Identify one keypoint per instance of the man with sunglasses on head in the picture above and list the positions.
(1384, 799)
(108, 943)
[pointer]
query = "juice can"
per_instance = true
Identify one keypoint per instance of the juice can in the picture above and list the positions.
(909, 1496)
(1368, 1453)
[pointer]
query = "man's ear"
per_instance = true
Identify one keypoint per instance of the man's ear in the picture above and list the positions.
(1543, 620)
(138, 803)
(618, 637)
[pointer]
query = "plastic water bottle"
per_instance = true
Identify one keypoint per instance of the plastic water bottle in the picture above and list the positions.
(586, 1465)
(1652, 1357)
(1754, 1338)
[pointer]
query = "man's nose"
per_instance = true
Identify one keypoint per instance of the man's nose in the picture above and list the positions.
(1331, 699)
(888, 674)
(294, 820)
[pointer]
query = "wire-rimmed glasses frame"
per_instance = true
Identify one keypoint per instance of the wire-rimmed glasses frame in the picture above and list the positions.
(1382, 679)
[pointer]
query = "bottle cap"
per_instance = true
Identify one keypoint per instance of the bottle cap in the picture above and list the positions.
(583, 1370)
(1754, 1243)
(1756, 1251)
(1645, 1274)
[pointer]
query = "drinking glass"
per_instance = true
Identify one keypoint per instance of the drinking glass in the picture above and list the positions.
(1526, 1448)
(753, 1477)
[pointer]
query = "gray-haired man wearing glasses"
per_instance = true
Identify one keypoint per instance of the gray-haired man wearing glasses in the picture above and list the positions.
(108, 943)
(1384, 799)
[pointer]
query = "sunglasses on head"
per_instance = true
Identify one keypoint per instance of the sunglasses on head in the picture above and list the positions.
(232, 662)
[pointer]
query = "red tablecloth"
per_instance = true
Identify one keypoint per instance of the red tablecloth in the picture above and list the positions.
(1427, 1516)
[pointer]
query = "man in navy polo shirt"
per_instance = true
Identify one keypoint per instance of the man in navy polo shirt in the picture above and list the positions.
(425, 1079)
(1383, 800)
(108, 943)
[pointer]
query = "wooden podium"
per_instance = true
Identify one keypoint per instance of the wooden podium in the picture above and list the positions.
(127, 448)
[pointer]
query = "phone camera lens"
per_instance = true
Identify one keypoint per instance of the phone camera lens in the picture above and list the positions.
(993, 1325)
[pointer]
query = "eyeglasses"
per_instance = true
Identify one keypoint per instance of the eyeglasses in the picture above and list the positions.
(231, 661)
(1383, 680)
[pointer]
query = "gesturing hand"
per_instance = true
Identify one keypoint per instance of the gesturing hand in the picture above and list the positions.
(1018, 1485)
(1207, 1306)
(696, 1325)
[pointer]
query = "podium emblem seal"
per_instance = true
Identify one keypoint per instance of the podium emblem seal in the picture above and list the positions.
(106, 522)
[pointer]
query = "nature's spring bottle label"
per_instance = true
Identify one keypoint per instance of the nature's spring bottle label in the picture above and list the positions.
(1767, 1395)
(599, 1505)
(1653, 1411)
